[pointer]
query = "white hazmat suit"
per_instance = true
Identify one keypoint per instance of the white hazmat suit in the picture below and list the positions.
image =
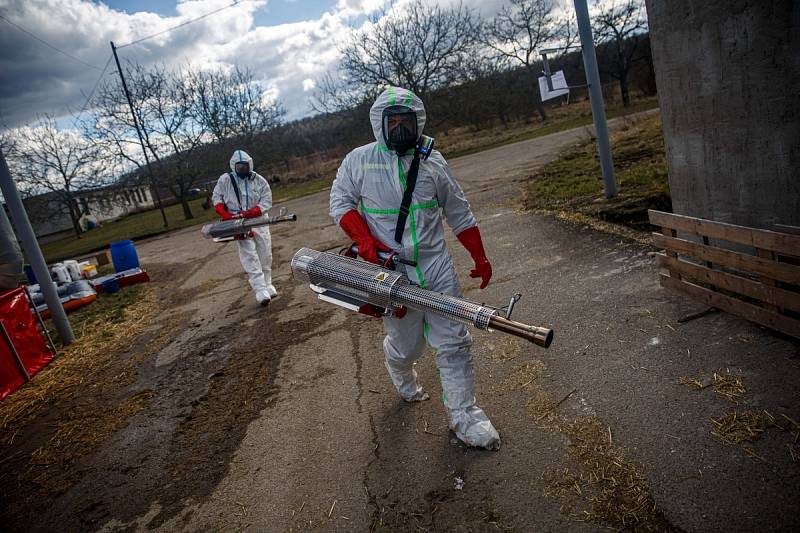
(255, 253)
(372, 179)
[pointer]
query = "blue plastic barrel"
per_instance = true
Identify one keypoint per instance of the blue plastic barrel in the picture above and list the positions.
(31, 276)
(110, 286)
(123, 255)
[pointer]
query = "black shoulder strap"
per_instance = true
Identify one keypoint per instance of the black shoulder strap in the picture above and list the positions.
(236, 190)
(411, 181)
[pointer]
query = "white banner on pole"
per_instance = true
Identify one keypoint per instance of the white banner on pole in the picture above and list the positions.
(559, 86)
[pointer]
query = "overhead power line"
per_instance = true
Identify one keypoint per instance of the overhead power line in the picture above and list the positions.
(59, 50)
(182, 24)
(94, 88)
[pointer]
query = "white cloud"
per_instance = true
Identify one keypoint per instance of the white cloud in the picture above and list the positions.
(286, 58)
(354, 8)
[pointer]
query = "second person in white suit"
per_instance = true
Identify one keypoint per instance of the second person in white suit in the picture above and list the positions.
(242, 193)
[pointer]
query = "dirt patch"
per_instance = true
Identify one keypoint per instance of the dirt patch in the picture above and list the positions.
(197, 410)
(78, 433)
(503, 348)
(110, 325)
(48, 421)
(211, 431)
(599, 485)
(521, 377)
(595, 483)
(89, 393)
(572, 183)
(438, 510)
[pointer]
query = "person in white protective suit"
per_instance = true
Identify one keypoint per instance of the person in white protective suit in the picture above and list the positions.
(242, 193)
(365, 201)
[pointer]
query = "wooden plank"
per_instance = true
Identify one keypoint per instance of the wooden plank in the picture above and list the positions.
(772, 269)
(758, 238)
(783, 228)
(751, 312)
(769, 255)
(730, 282)
(671, 233)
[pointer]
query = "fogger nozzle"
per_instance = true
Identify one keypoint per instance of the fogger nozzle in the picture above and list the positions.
(239, 226)
(369, 283)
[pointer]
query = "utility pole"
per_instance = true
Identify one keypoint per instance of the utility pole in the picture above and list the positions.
(34, 253)
(153, 186)
(596, 97)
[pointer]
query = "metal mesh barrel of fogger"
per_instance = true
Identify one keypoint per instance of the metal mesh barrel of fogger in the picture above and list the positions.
(468, 313)
(361, 280)
(370, 283)
(231, 228)
(226, 228)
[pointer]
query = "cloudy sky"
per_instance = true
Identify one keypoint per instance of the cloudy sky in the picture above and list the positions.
(289, 44)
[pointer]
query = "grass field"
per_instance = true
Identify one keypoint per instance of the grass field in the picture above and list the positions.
(573, 182)
(456, 143)
(150, 223)
(467, 141)
(135, 226)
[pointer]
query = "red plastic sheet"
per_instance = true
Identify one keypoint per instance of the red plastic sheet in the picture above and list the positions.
(19, 322)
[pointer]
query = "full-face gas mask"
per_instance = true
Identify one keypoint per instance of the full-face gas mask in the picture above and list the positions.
(242, 169)
(400, 128)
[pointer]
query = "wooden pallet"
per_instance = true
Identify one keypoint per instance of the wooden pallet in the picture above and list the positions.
(756, 277)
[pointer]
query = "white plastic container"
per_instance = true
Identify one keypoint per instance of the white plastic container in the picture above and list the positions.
(60, 273)
(74, 269)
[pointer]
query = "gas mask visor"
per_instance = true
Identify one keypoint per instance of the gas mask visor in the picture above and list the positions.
(242, 169)
(399, 128)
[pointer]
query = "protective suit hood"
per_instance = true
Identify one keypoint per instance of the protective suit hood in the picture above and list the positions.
(395, 96)
(240, 156)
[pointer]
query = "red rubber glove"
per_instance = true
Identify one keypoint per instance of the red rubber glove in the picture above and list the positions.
(222, 211)
(249, 235)
(253, 212)
(370, 310)
(357, 229)
(471, 239)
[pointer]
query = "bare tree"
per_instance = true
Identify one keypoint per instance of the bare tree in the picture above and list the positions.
(420, 48)
(232, 105)
(333, 95)
(520, 30)
(163, 106)
(620, 26)
(7, 142)
(58, 165)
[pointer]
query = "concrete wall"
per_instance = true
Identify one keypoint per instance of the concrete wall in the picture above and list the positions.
(728, 75)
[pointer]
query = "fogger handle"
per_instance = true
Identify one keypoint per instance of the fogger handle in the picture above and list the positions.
(539, 336)
(386, 257)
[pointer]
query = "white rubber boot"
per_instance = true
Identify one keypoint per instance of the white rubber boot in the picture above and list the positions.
(263, 298)
(473, 428)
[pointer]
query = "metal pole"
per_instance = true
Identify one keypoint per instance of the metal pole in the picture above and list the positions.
(41, 321)
(596, 97)
(34, 253)
(547, 73)
(153, 187)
